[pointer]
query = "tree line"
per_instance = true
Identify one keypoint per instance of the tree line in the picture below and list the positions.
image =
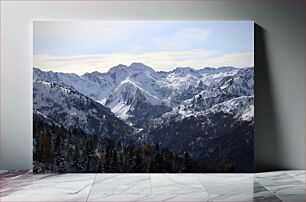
(57, 149)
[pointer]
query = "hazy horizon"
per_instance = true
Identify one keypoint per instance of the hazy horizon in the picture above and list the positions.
(88, 46)
(143, 64)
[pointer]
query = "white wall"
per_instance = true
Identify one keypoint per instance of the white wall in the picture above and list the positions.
(279, 63)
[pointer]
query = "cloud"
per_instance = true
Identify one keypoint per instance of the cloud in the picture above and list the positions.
(75, 38)
(184, 39)
(160, 60)
(232, 59)
(88, 37)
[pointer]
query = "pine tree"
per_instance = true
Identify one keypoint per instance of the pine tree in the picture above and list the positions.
(168, 161)
(131, 164)
(59, 160)
(121, 165)
(107, 160)
(114, 162)
(77, 161)
(156, 147)
(152, 169)
(100, 167)
(139, 167)
(89, 156)
(158, 165)
(187, 163)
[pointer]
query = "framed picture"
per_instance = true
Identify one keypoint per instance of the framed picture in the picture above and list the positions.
(143, 96)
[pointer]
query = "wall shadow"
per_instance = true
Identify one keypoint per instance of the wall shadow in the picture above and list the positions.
(267, 148)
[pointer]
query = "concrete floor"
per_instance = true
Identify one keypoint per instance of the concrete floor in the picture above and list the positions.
(270, 186)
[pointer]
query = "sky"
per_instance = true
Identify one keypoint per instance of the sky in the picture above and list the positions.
(87, 46)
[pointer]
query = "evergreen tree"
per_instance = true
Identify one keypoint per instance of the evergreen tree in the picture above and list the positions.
(138, 163)
(156, 147)
(131, 163)
(152, 169)
(114, 162)
(121, 167)
(89, 156)
(77, 161)
(59, 161)
(100, 167)
(187, 163)
(168, 161)
(158, 165)
(107, 160)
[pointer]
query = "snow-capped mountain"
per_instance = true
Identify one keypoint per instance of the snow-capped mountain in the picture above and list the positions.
(67, 107)
(242, 83)
(133, 104)
(215, 136)
(241, 108)
(206, 113)
(138, 94)
(229, 87)
(84, 86)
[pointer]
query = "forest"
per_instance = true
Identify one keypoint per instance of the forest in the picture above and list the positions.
(61, 150)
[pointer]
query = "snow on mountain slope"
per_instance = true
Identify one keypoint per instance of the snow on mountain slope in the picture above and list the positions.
(134, 104)
(85, 86)
(202, 101)
(242, 83)
(157, 87)
(43, 116)
(210, 79)
(241, 107)
(139, 67)
(205, 135)
(69, 108)
(127, 89)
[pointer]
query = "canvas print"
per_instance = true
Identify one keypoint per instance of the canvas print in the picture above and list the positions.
(143, 96)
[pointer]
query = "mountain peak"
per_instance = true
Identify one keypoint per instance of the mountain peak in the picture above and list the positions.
(183, 69)
(117, 68)
(92, 75)
(211, 70)
(140, 67)
(137, 64)
(36, 69)
(226, 68)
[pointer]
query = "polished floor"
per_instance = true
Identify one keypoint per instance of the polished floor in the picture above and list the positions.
(271, 186)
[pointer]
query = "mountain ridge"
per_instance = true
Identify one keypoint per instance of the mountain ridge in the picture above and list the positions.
(157, 89)
(68, 108)
(206, 115)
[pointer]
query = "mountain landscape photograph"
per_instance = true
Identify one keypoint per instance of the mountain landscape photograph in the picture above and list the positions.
(143, 96)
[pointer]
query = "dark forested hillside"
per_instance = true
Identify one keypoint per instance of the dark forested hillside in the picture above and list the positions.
(226, 146)
(57, 149)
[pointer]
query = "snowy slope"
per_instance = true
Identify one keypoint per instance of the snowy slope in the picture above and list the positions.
(238, 85)
(241, 107)
(223, 132)
(131, 90)
(69, 108)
